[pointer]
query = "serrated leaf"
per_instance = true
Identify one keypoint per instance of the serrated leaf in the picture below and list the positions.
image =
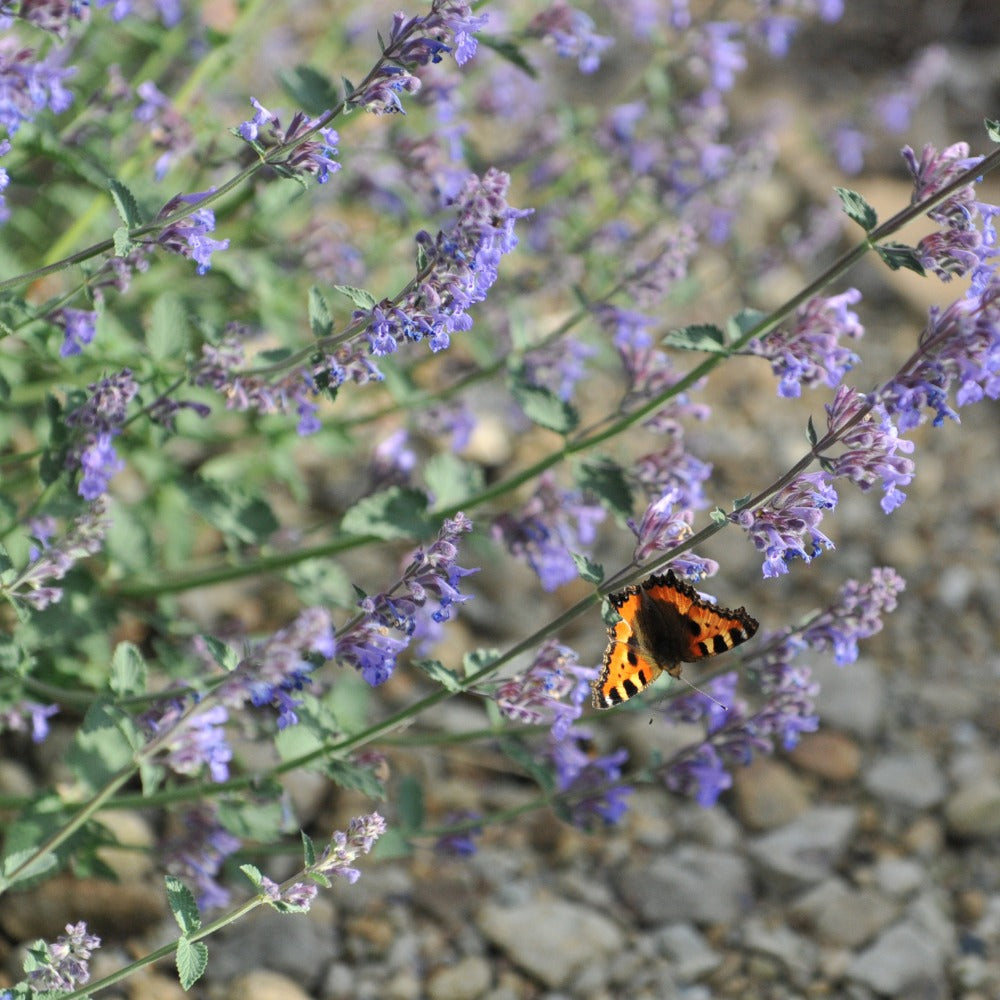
(857, 209)
(236, 513)
(541, 405)
(440, 674)
(697, 337)
(128, 670)
(410, 804)
(221, 652)
(311, 90)
(741, 323)
(260, 819)
(509, 50)
(361, 298)
(124, 244)
(192, 960)
(320, 320)
(104, 745)
(254, 874)
(899, 255)
(479, 659)
(718, 516)
(398, 512)
(606, 480)
(347, 774)
(125, 204)
(450, 480)
(308, 850)
(590, 571)
(182, 905)
(167, 333)
(993, 129)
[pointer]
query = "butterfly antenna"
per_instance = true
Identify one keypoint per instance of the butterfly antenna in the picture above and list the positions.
(694, 687)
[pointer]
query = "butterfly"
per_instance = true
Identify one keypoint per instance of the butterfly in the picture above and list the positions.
(664, 623)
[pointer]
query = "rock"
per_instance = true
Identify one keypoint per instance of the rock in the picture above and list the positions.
(768, 794)
(263, 984)
(830, 755)
(549, 938)
(899, 877)
(803, 852)
(911, 779)
(467, 979)
(843, 916)
(690, 955)
(974, 810)
(130, 862)
(902, 962)
(797, 955)
(111, 910)
(850, 697)
(147, 985)
(924, 837)
(693, 883)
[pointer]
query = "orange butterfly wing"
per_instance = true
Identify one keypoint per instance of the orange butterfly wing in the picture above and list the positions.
(663, 623)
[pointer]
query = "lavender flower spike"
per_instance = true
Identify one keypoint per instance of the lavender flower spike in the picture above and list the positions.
(345, 848)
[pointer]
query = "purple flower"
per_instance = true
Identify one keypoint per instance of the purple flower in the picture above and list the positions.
(452, 418)
(661, 528)
(460, 842)
(870, 442)
(98, 462)
(345, 848)
(28, 85)
(849, 144)
(550, 527)
(66, 967)
(198, 853)
(856, 614)
(787, 525)
(17, 718)
(274, 669)
(393, 460)
(460, 266)
(720, 55)
(169, 130)
(79, 326)
(700, 774)
(53, 16)
(307, 157)
(572, 33)
(550, 692)
(810, 353)
(188, 236)
(590, 783)
(51, 561)
(190, 739)
(558, 366)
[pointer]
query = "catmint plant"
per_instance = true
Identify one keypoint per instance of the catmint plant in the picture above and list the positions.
(336, 394)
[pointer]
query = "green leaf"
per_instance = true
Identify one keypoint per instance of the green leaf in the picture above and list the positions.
(450, 480)
(520, 754)
(698, 337)
(398, 512)
(899, 255)
(14, 312)
(167, 333)
(125, 204)
(257, 818)
(311, 90)
(508, 50)
(320, 320)
(308, 850)
(410, 804)
(479, 659)
(128, 670)
(182, 905)
(440, 674)
(811, 432)
(192, 960)
(857, 209)
(124, 244)
(233, 511)
(355, 777)
(254, 874)
(221, 652)
(741, 323)
(104, 745)
(542, 406)
(606, 480)
(361, 298)
(993, 129)
(590, 571)
(718, 516)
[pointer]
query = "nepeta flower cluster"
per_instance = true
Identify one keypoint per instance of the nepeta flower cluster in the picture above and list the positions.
(27, 715)
(346, 847)
(572, 33)
(100, 419)
(52, 560)
(63, 966)
(413, 608)
(458, 268)
(188, 236)
(198, 852)
(307, 157)
(28, 84)
(810, 352)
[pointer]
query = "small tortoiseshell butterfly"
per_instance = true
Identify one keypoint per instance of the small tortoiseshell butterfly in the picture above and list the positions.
(664, 623)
